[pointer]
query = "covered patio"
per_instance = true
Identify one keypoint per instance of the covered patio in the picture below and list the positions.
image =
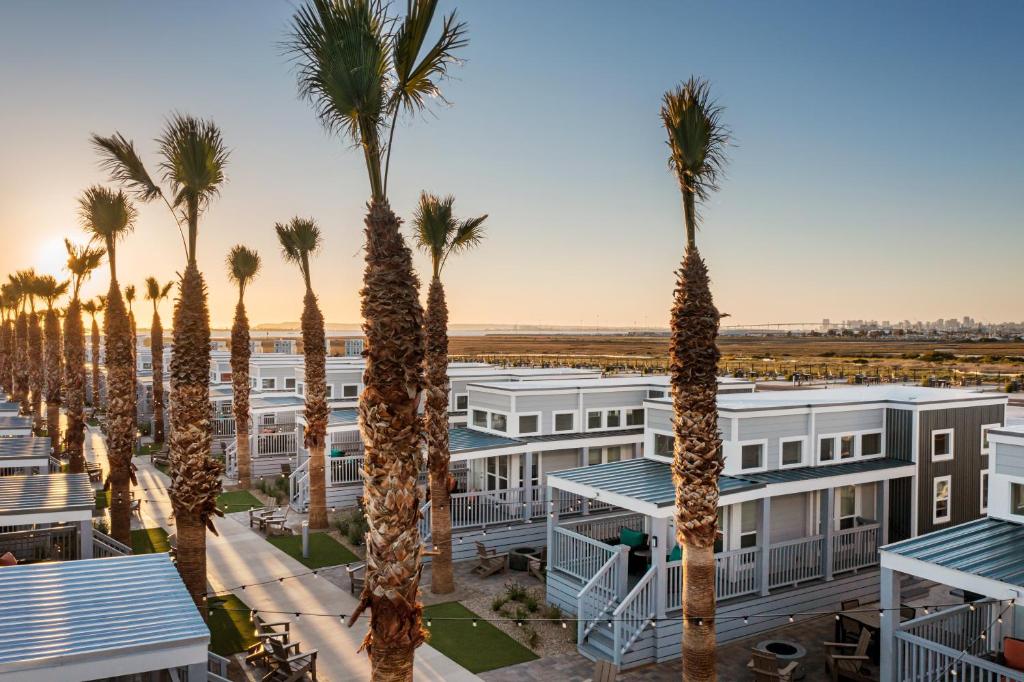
(25, 456)
(99, 619)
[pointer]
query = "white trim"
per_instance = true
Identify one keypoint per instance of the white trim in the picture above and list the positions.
(984, 428)
(739, 445)
(981, 490)
(455, 402)
(952, 444)
(349, 397)
(803, 440)
(948, 576)
(554, 421)
(604, 418)
(520, 415)
(936, 519)
(812, 484)
(856, 447)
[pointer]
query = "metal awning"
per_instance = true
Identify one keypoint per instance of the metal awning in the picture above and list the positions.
(14, 425)
(984, 556)
(47, 498)
(7, 406)
(97, 618)
(830, 470)
(340, 419)
(463, 441)
(273, 403)
(24, 451)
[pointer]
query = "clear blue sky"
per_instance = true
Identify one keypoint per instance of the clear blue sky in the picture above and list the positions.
(877, 171)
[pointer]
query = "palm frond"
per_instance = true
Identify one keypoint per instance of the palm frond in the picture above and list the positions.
(697, 137)
(82, 260)
(243, 264)
(417, 79)
(439, 233)
(193, 159)
(469, 233)
(300, 238)
(105, 214)
(122, 162)
(129, 294)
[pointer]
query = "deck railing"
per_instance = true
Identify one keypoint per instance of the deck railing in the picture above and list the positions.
(344, 470)
(606, 527)
(58, 543)
(736, 573)
(222, 427)
(961, 627)
(216, 668)
(635, 614)
(298, 487)
(105, 546)
(920, 660)
(795, 561)
(599, 597)
(484, 508)
(274, 444)
(578, 555)
(855, 548)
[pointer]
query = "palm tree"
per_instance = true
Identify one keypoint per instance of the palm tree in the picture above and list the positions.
(440, 234)
(8, 304)
(300, 239)
(156, 293)
(696, 140)
(129, 299)
(359, 70)
(243, 264)
(21, 283)
(93, 307)
(107, 216)
(49, 289)
(82, 260)
(193, 157)
(36, 378)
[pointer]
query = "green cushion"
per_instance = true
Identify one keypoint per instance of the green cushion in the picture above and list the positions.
(676, 554)
(630, 537)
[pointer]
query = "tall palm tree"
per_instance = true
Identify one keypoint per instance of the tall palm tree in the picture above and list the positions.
(243, 265)
(129, 299)
(359, 70)
(108, 216)
(696, 139)
(82, 260)
(192, 161)
(21, 282)
(94, 307)
(36, 377)
(8, 304)
(49, 289)
(440, 234)
(300, 239)
(156, 293)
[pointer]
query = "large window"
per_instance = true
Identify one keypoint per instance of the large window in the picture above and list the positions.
(594, 420)
(870, 444)
(528, 424)
(564, 421)
(289, 383)
(942, 445)
(655, 394)
(752, 456)
(499, 422)
(846, 447)
(480, 418)
(1017, 498)
(268, 384)
(497, 473)
(748, 524)
(635, 417)
(613, 419)
(792, 452)
(664, 445)
(941, 499)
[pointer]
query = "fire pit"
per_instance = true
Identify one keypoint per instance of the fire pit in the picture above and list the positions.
(519, 558)
(785, 650)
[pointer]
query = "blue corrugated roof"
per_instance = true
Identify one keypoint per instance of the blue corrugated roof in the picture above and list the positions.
(343, 416)
(51, 613)
(269, 402)
(826, 471)
(990, 548)
(24, 446)
(581, 435)
(467, 440)
(643, 479)
(47, 492)
(9, 421)
(6, 406)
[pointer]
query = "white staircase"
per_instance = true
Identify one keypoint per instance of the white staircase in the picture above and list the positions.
(231, 460)
(298, 488)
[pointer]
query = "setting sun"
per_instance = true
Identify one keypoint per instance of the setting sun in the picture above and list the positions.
(50, 258)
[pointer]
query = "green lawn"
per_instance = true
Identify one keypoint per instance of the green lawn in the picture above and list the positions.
(323, 549)
(150, 541)
(476, 649)
(148, 449)
(230, 629)
(102, 499)
(236, 501)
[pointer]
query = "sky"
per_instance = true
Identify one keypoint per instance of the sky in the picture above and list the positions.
(875, 171)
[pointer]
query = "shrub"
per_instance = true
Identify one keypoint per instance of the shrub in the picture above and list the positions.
(497, 603)
(101, 525)
(532, 638)
(514, 591)
(552, 612)
(531, 603)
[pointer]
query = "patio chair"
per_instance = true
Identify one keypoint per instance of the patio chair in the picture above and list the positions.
(289, 663)
(256, 516)
(286, 469)
(356, 578)
(848, 629)
(604, 671)
(489, 562)
(275, 522)
(765, 667)
(536, 566)
(259, 653)
(848, 665)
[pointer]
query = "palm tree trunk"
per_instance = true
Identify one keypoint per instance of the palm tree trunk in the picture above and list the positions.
(391, 430)
(54, 379)
(95, 365)
(120, 420)
(134, 375)
(697, 460)
(36, 377)
(74, 385)
(21, 363)
(195, 476)
(5, 355)
(157, 346)
(436, 426)
(240, 353)
(314, 351)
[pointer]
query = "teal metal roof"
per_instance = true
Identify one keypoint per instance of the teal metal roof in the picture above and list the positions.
(9, 421)
(54, 613)
(6, 406)
(827, 471)
(343, 416)
(580, 435)
(643, 479)
(24, 446)
(280, 402)
(46, 492)
(990, 548)
(468, 440)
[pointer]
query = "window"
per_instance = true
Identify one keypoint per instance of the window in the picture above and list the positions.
(1016, 498)
(613, 419)
(847, 507)
(984, 436)
(289, 382)
(528, 423)
(664, 445)
(613, 453)
(499, 422)
(330, 390)
(635, 417)
(984, 491)
(268, 419)
(748, 524)
(594, 419)
(719, 543)
(942, 445)
(480, 418)
(870, 444)
(594, 456)
(751, 456)
(941, 499)
(497, 473)
(462, 402)
(266, 384)
(827, 449)
(300, 389)
(350, 391)
(564, 421)
(792, 452)
(846, 447)
(655, 394)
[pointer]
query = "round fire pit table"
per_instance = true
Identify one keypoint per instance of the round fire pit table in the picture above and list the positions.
(519, 558)
(785, 650)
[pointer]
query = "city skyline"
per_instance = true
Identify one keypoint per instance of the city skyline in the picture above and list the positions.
(859, 198)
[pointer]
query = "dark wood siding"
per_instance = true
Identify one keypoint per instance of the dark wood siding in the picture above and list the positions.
(899, 434)
(901, 501)
(965, 467)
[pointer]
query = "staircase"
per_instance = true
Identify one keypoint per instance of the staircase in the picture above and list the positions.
(231, 460)
(298, 488)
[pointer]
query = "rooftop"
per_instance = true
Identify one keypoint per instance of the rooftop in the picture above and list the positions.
(467, 440)
(45, 493)
(845, 395)
(276, 402)
(25, 446)
(343, 416)
(653, 381)
(10, 421)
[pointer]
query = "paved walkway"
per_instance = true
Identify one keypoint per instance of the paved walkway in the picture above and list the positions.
(240, 556)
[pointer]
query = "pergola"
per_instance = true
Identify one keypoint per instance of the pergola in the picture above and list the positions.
(13, 425)
(31, 502)
(23, 454)
(99, 619)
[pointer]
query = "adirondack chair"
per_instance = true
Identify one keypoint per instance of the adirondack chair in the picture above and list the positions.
(765, 666)
(259, 653)
(488, 561)
(604, 671)
(848, 665)
(275, 521)
(256, 516)
(288, 663)
(536, 566)
(356, 578)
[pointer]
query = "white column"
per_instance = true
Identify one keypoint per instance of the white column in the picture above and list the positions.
(828, 503)
(85, 539)
(882, 499)
(197, 672)
(764, 535)
(551, 514)
(659, 554)
(527, 472)
(887, 645)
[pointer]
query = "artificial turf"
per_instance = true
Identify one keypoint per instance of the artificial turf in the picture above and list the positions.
(150, 541)
(102, 499)
(236, 501)
(323, 549)
(230, 628)
(476, 648)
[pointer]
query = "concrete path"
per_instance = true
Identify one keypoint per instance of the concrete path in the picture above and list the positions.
(239, 556)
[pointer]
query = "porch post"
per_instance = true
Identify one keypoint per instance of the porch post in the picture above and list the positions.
(85, 539)
(764, 534)
(552, 519)
(887, 645)
(197, 672)
(828, 503)
(882, 500)
(659, 549)
(623, 573)
(584, 456)
(527, 470)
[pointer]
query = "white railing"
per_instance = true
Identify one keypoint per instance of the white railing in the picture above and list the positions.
(216, 668)
(606, 527)
(855, 548)
(298, 487)
(55, 465)
(484, 508)
(960, 627)
(344, 470)
(635, 614)
(274, 444)
(105, 546)
(918, 660)
(222, 427)
(578, 555)
(425, 523)
(736, 573)
(231, 460)
(600, 595)
(795, 561)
